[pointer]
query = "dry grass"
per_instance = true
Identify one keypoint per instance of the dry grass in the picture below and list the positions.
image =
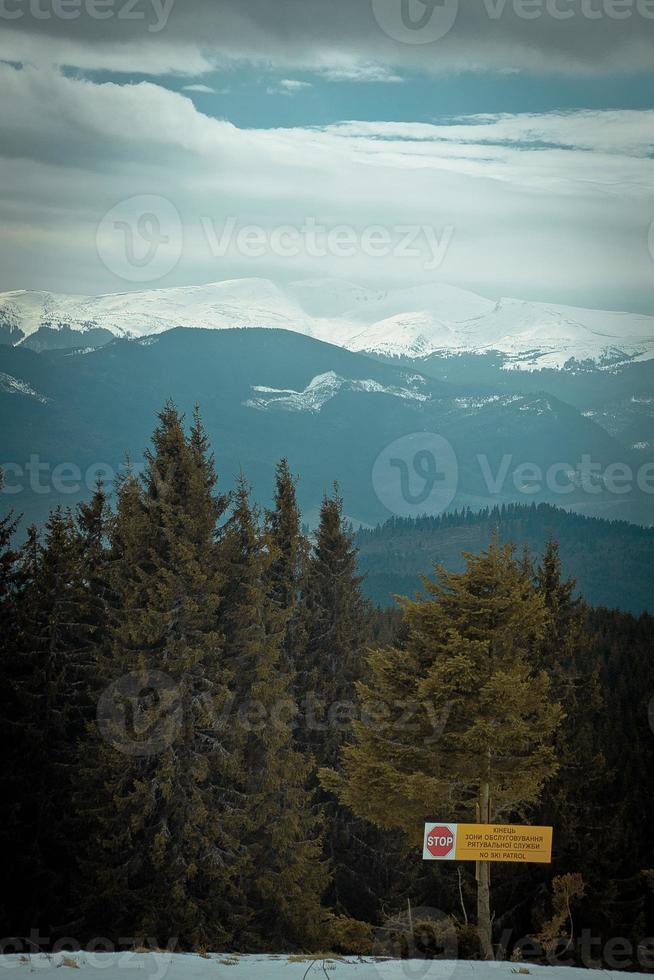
(69, 962)
(313, 957)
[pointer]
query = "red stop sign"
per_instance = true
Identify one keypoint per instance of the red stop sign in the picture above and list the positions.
(439, 841)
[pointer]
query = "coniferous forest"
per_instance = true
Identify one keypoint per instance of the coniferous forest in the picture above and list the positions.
(213, 740)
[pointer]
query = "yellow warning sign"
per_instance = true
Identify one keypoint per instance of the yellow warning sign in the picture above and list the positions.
(487, 842)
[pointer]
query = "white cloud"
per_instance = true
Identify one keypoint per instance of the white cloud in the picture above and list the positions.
(625, 132)
(553, 206)
(360, 73)
(293, 84)
(288, 86)
(205, 89)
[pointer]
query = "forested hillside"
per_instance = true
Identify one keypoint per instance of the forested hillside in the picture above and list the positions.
(214, 741)
(611, 561)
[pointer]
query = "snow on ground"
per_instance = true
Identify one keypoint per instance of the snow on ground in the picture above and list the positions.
(181, 966)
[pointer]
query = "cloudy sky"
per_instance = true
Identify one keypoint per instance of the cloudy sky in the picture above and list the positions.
(500, 145)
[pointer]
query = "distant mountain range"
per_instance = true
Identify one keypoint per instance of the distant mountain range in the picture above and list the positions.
(411, 324)
(399, 440)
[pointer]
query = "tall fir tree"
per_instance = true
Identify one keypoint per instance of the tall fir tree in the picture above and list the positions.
(8, 576)
(338, 627)
(567, 657)
(575, 802)
(282, 872)
(12, 842)
(288, 567)
(10, 579)
(480, 742)
(161, 772)
(366, 861)
(51, 685)
(93, 519)
(339, 624)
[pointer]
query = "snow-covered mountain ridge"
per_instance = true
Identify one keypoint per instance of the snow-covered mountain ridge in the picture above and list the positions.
(320, 390)
(409, 323)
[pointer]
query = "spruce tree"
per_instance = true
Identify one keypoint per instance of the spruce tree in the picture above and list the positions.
(575, 801)
(366, 863)
(338, 624)
(8, 577)
(282, 872)
(287, 572)
(55, 655)
(93, 520)
(466, 665)
(161, 771)
(12, 841)
(92, 523)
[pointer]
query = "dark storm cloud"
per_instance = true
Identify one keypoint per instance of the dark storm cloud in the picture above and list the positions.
(425, 35)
